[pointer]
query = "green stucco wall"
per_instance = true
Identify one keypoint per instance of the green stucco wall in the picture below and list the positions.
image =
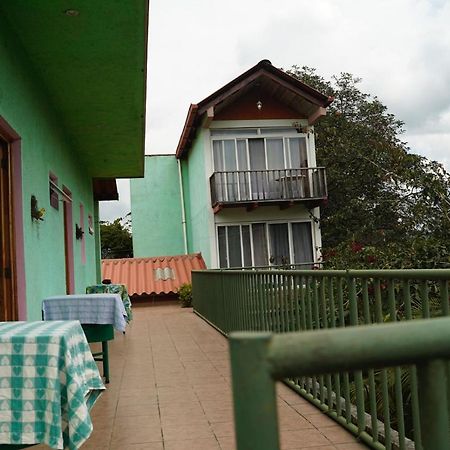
(27, 108)
(197, 199)
(156, 209)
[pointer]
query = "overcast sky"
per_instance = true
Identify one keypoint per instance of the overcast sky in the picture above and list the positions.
(400, 48)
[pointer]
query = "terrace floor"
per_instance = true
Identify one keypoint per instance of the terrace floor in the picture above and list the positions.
(170, 389)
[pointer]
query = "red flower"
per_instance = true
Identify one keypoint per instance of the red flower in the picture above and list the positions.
(356, 247)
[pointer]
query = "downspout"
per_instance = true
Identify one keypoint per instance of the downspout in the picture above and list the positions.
(183, 210)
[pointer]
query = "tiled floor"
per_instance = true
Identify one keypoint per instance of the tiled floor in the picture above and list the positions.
(170, 389)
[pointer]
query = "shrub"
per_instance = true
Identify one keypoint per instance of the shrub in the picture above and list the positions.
(185, 295)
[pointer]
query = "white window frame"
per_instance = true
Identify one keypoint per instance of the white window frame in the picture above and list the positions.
(266, 223)
(283, 135)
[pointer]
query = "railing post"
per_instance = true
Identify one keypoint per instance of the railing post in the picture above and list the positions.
(434, 419)
(255, 408)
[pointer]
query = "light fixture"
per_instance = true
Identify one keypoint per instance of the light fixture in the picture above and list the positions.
(259, 105)
(72, 12)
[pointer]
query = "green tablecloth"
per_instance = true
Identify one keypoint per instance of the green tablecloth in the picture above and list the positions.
(120, 289)
(48, 382)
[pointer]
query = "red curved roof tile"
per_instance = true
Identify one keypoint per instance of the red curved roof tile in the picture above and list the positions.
(155, 275)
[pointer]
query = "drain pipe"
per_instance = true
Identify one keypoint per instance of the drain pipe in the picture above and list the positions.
(183, 211)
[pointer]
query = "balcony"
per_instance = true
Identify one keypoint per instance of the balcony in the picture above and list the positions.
(282, 187)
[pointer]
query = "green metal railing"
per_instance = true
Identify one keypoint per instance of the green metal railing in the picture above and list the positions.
(382, 403)
(258, 359)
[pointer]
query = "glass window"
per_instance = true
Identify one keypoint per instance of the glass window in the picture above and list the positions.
(54, 196)
(234, 132)
(246, 246)
(234, 246)
(302, 242)
(279, 244)
(218, 156)
(256, 153)
(298, 154)
(275, 154)
(259, 244)
(242, 154)
(280, 131)
(229, 153)
(222, 235)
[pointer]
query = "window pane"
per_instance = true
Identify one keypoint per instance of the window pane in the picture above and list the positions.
(297, 147)
(275, 156)
(242, 154)
(234, 246)
(218, 156)
(259, 244)
(246, 246)
(256, 152)
(302, 242)
(258, 180)
(234, 132)
(243, 177)
(229, 155)
(221, 233)
(279, 244)
(280, 131)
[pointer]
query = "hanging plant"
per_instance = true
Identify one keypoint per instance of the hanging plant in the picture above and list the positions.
(36, 212)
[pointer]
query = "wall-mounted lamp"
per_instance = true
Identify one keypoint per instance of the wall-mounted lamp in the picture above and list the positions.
(78, 232)
(259, 105)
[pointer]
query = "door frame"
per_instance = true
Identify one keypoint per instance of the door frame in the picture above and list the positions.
(15, 148)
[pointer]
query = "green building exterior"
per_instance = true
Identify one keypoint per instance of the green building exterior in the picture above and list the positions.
(243, 187)
(162, 232)
(71, 121)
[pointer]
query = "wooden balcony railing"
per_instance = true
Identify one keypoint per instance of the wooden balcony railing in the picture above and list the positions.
(268, 186)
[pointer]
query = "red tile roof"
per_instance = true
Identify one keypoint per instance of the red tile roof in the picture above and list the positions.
(156, 275)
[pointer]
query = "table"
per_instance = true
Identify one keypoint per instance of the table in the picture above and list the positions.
(98, 314)
(48, 383)
(120, 289)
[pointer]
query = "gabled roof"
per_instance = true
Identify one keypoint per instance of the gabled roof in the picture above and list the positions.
(155, 275)
(294, 93)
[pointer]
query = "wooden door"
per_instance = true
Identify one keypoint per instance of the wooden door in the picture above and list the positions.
(8, 297)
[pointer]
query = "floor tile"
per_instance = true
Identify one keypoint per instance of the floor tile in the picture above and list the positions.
(171, 390)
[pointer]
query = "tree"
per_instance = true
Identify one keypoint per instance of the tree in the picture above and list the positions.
(387, 207)
(116, 241)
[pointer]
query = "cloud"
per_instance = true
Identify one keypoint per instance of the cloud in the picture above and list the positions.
(399, 48)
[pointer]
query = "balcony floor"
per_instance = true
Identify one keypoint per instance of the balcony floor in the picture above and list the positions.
(170, 389)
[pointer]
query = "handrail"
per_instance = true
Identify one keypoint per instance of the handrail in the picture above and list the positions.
(397, 274)
(380, 403)
(258, 359)
(274, 185)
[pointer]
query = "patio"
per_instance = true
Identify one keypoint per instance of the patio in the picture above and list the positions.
(170, 389)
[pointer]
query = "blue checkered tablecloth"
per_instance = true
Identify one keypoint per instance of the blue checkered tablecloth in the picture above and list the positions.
(100, 309)
(48, 382)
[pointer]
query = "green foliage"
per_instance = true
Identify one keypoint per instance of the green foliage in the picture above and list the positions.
(393, 204)
(185, 295)
(116, 241)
